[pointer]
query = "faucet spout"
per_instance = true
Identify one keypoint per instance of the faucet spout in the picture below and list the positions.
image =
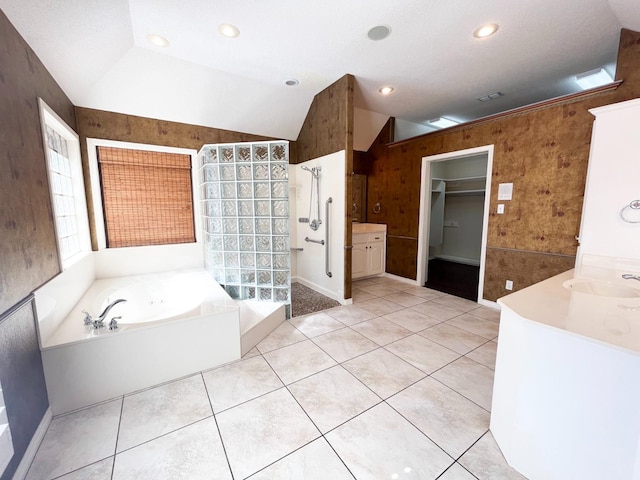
(630, 276)
(104, 314)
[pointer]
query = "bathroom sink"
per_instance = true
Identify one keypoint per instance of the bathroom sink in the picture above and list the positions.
(600, 288)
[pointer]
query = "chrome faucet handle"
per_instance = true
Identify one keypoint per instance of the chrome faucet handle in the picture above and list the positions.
(88, 319)
(630, 276)
(113, 324)
(98, 323)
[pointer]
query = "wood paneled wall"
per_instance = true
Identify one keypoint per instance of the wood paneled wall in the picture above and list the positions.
(544, 152)
(328, 128)
(28, 252)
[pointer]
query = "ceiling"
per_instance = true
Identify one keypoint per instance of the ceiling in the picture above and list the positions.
(97, 51)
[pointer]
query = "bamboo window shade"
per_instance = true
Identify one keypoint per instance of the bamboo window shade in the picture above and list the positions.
(146, 197)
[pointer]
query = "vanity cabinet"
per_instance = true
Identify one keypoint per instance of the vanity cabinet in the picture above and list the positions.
(369, 254)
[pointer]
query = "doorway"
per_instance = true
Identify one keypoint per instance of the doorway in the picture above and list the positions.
(454, 214)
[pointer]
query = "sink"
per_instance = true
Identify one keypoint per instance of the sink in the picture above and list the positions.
(601, 288)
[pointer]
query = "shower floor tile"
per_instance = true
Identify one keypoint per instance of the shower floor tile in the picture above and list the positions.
(415, 403)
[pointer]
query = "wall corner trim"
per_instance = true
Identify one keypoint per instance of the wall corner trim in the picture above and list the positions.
(34, 444)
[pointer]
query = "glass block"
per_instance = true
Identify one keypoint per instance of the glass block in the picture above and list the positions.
(262, 208)
(247, 259)
(279, 189)
(243, 154)
(263, 244)
(263, 226)
(246, 225)
(243, 172)
(209, 241)
(279, 152)
(260, 153)
(264, 277)
(226, 154)
(281, 226)
(228, 190)
(245, 208)
(245, 190)
(232, 275)
(210, 173)
(261, 190)
(211, 190)
(246, 243)
(216, 243)
(211, 155)
(248, 293)
(280, 261)
(229, 208)
(263, 260)
(214, 225)
(280, 244)
(281, 278)
(233, 291)
(227, 172)
(261, 171)
(218, 274)
(279, 171)
(230, 225)
(282, 294)
(265, 294)
(280, 208)
(248, 276)
(216, 259)
(231, 259)
(212, 208)
(230, 243)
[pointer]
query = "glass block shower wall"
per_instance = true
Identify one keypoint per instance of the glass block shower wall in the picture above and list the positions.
(245, 208)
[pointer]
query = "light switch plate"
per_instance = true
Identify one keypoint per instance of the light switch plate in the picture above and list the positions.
(500, 208)
(509, 285)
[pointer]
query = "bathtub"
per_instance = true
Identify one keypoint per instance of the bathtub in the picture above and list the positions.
(173, 324)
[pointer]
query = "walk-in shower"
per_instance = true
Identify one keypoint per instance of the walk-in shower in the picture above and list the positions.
(314, 223)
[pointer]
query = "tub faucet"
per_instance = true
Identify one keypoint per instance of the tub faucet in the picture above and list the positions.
(99, 321)
(630, 276)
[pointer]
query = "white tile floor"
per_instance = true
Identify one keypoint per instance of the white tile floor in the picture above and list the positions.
(396, 386)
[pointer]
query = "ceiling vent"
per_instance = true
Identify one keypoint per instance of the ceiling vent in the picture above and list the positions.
(491, 96)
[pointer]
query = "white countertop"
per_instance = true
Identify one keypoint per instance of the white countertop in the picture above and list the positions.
(614, 321)
(369, 228)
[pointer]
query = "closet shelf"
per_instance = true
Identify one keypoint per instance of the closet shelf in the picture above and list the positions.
(460, 193)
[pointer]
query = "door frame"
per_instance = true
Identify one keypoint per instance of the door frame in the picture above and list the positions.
(425, 212)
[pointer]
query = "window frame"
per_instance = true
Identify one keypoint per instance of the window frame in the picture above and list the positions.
(96, 187)
(48, 117)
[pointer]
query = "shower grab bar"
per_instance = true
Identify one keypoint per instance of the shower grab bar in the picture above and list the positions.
(307, 239)
(326, 236)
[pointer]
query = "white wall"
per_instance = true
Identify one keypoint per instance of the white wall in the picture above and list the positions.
(366, 127)
(311, 261)
(405, 129)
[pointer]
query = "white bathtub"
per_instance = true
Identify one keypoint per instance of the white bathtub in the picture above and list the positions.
(173, 324)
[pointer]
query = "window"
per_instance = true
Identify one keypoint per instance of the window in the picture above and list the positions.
(146, 197)
(66, 185)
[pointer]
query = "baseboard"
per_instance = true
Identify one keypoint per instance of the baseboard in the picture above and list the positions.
(463, 260)
(408, 281)
(319, 289)
(490, 304)
(34, 444)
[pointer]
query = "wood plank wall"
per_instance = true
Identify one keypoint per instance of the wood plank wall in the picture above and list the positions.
(130, 128)
(544, 152)
(328, 128)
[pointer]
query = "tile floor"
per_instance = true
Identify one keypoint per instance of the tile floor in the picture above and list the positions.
(396, 386)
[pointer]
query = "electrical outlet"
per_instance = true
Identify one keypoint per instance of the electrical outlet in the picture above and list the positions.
(509, 285)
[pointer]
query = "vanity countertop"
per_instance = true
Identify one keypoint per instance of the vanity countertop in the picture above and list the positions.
(369, 228)
(612, 320)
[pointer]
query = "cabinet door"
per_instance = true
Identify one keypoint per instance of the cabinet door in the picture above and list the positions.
(359, 260)
(375, 255)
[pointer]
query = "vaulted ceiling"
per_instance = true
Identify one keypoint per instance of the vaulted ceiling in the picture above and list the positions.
(98, 52)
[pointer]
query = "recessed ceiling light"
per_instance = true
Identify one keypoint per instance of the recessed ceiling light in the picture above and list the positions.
(442, 122)
(386, 90)
(157, 40)
(593, 78)
(485, 30)
(379, 32)
(228, 30)
(291, 82)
